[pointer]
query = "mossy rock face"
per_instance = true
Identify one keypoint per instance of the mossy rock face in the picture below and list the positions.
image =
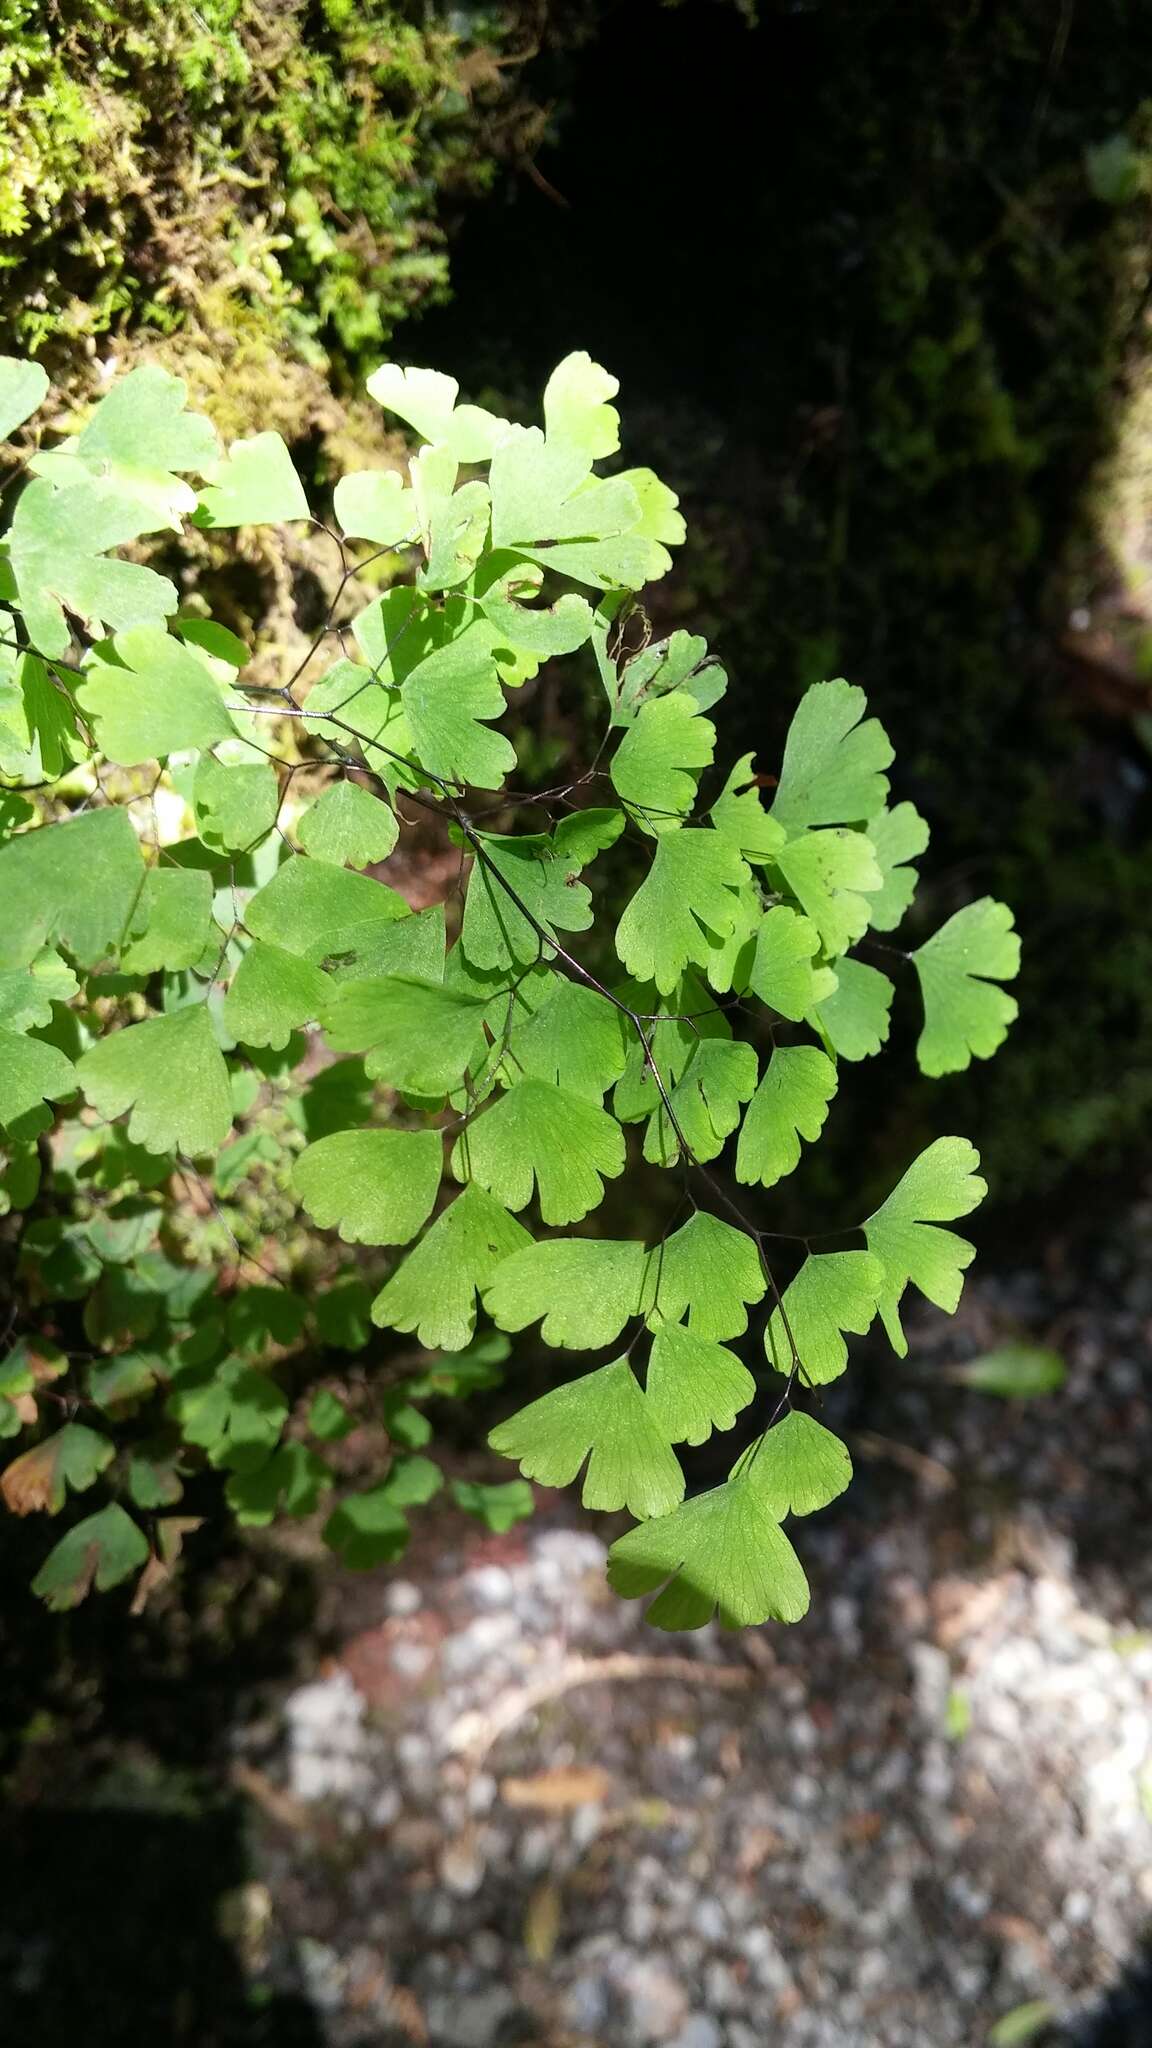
(265, 186)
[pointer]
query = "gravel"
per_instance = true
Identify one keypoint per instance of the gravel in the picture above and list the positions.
(518, 1816)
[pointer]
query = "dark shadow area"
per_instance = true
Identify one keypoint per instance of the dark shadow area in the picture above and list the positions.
(113, 1934)
(1123, 2018)
(873, 303)
(125, 1856)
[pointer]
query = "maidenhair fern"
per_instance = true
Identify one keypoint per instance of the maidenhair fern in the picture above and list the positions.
(662, 956)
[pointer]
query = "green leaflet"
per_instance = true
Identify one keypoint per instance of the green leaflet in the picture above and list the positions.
(236, 802)
(498, 1507)
(373, 504)
(426, 399)
(255, 485)
(446, 700)
(573, 1038)
(656, 766)
(58, 546)
(530, 633)
(434, 1291)
(710, 1270)
(139, 436)
(739, 816)
(694, 1385)
(371, 1528)
(39, 736)
(31, 1072)
(832, 773)
(681, 662)
(791, 1103)
(418, 1035)
(832, 1292)
(27, 992)
(831, 875)
(77, 885)
(604, 1418)
(23, 389)
(231, 1411)
(173, 924)
(375, 1187)
(348, 825)
(453, 523)
(576, 414)
(522, 891)
(782, 973)
(898, 836)
(538, 1133)
(687, 899)
(720, 1553)
(586, 1289)
(321, 913)
(797, 1467)
(706, 1102)
(271, 994)
(543, 496)
(854, 1017)
(170, 1073)
(692, 1018)
(290, 1483)
(942, 1184)
(965, 1014)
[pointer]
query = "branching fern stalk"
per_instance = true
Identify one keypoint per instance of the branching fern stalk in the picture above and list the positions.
(178, 926)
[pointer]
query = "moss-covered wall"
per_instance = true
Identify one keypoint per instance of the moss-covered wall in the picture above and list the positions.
(262, 187)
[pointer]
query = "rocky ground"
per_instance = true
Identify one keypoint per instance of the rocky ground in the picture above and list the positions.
(506, 1812)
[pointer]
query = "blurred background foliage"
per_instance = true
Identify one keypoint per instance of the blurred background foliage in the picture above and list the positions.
(876, 283)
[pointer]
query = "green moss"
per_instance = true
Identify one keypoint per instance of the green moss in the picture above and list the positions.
(168, 165)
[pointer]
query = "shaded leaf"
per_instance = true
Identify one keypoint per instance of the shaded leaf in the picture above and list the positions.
(70, 1460)
(100, 1551)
